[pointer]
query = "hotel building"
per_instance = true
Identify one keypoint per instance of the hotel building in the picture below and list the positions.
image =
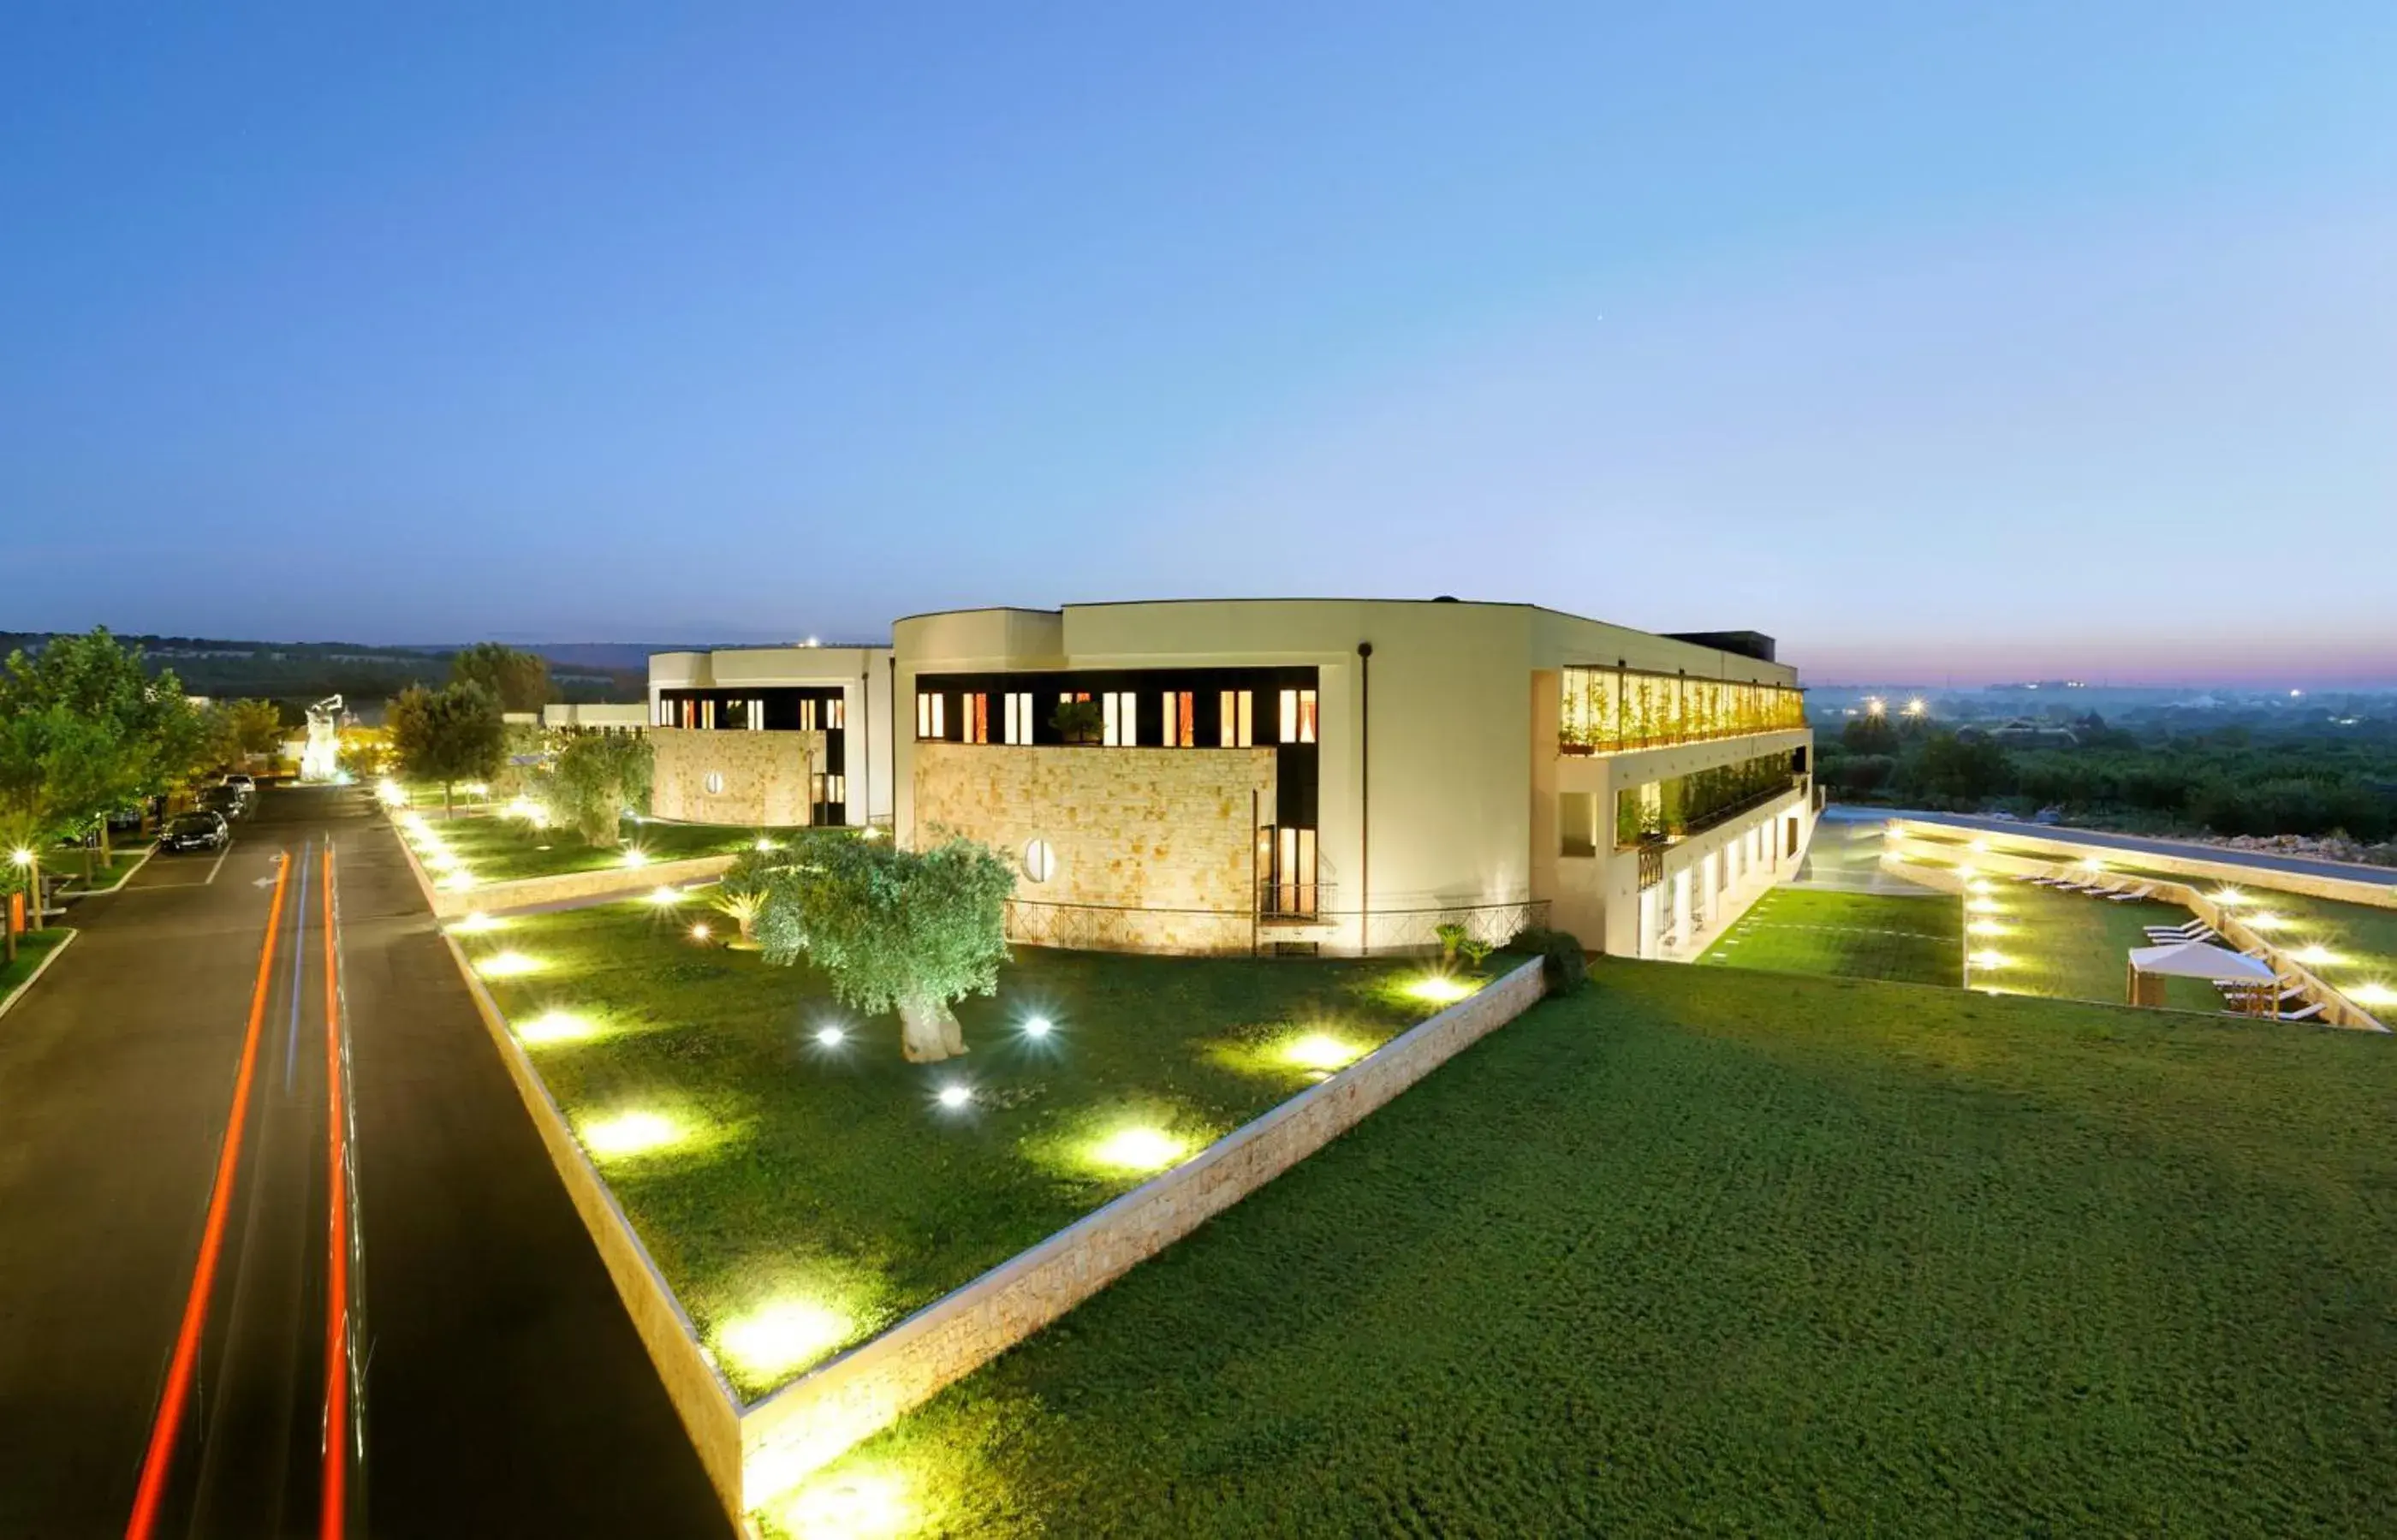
(771, 736)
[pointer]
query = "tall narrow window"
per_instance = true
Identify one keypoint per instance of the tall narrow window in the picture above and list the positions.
(977, 718)
(757, 716)
(1240, 712)
(1018, 717)
(1298, 716)
(931, 714)
(837, 715)
(807, 715)
(1181, 718)
(1120, 716)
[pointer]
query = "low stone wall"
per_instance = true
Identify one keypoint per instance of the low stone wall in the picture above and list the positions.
(2361, 889)
(724, 776)
(813, 1420)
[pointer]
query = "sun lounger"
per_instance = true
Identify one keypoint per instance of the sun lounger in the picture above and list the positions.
(2309, 1013)
(2132, 895)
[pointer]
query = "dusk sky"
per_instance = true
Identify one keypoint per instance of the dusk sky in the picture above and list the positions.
(1993, 340)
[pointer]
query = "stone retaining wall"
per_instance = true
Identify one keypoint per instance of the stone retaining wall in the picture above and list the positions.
(566, 888)
(813, 1420)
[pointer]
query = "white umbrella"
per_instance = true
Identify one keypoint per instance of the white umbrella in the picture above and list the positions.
(2195, 959)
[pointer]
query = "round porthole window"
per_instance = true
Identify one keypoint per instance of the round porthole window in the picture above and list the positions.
(1039, 861)
(715, 783)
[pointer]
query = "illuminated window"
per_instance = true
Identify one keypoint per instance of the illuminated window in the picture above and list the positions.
(836, 711)
(1018, 717)
(1181, 718)
(1298, 716)
(827, 789)
(757, 716)
(977, 718)
(1120, 719)
(931, 714)
(1239, 726)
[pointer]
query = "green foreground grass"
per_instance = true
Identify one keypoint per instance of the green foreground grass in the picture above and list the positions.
(1901, 939)
(1709, 1251)
(31, 948)
(499, 849)
(828, 1183)
(105, 875)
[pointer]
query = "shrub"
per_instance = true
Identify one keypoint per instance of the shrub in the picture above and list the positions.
(1561, 958)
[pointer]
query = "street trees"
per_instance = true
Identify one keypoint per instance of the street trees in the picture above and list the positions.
(244, 728)
(893, 930)
(519, 681)
(448, 735)
(151, 740)
(597, 777)
(56, 766)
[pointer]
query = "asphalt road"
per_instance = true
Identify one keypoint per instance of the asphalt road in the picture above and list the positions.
(494, 1384)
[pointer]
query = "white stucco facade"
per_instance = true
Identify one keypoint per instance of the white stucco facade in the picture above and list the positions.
(719, 687)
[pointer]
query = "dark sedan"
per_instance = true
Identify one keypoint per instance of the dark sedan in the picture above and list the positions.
(194, 831)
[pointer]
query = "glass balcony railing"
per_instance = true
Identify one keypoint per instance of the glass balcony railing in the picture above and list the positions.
(1611, 710)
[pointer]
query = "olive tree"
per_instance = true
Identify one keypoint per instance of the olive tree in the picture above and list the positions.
(597, 776)
(518, 680)
(892, 930)
(451, 734)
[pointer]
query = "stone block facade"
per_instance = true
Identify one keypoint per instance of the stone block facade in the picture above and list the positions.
(726, 776)
(1170, 832)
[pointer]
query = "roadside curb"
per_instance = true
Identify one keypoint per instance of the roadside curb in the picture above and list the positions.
(39, 969)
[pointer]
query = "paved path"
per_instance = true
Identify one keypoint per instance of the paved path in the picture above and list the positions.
(500, 1387)
(2263, 861)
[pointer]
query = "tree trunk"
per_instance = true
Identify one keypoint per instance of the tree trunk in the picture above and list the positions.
(929, 1031)
(447, 808)
(107, 851)
(34, 895)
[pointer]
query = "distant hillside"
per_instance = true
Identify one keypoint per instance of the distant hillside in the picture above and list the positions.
(295, 673)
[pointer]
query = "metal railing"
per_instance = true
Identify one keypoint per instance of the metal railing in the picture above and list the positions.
(1125, 928)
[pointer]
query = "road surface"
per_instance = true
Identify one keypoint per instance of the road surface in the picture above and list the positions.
(487, 1376)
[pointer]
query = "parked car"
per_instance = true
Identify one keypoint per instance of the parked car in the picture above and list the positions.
(229, 800)
(247, 786)
(195, 831)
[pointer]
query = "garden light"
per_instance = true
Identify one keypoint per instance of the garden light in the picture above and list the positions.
(829, 1036)
(1980, 844)
(1968, 870)
(555, 1026)
(1986, 928)
(1139, 1150)
(1986, 907)
(636, 857)
(631, 1134)
(391, 793)
(783, 1338)
(2265, 922)
(474, 924)
(2315, 956)
(665, 898)
(868, 1507)
(477, 788)
(507, 965)
(2229, 897)
(954, 1096)
(458, 882)
(1038, 1026)
(1320, 1050)
(1439, 989)
(1979, 885)
(699, 932)
(2094, 862)
(522, 807)
(2372, 994)
(1989, 959)
(766, 846)
(21, 856)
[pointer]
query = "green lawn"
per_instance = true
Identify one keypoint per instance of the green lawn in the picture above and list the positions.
(106, 874)
(1706, 1251)
(1850, 935)
(497, 849)
(827, 1183)
(31, 948)
(2072, 946)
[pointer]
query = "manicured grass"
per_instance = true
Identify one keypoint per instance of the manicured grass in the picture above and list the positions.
(497, 849)
(106, 874)
(1706, 1251)
(2072, 946)
(831, 1176)
(31, 948)
(1849, 935)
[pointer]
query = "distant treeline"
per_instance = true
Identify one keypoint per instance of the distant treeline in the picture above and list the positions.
(293, 674)
(2313, 780)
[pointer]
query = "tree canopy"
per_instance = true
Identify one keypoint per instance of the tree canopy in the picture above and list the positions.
(518, 680)
(448, 735)
(892, 930)
(597, 776)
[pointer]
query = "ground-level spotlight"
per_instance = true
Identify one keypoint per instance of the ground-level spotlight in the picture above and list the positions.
(1140, 1150)
(2315, 956)
(765, 847)
(861, 1505)
(1985, 906)
(783, 1338)
(21, 856)
(667, 898)
(700, 931)
(1320, 1050)
(507, 965)
(2372, 994)
(555, 1026)
(2230, 898)
(830, 1037)
(954, 1096)
(636, 857)
(1439, 989)
(1039, 1027)
(629, 1134)
(1989, 959)
(1986, 928)
(2265, 922)
(476, 924)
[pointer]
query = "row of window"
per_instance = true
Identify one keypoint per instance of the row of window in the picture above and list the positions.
(750, 714)
(1114, 719)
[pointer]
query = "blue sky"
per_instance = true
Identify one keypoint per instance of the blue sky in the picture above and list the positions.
(1988, 340)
